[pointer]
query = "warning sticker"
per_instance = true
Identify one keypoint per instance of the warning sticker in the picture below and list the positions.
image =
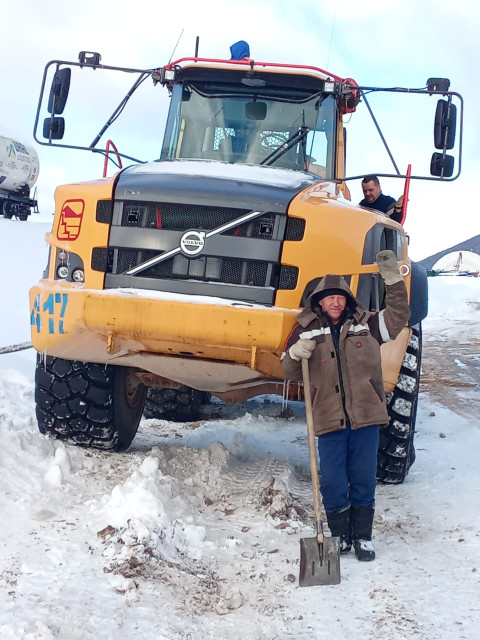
(70, 220)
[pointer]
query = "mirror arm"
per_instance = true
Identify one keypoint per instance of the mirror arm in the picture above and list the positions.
(119, 109)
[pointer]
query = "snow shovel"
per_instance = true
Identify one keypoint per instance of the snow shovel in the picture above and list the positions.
(319, 556)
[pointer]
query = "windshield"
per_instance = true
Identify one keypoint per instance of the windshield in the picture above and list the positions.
(251, 125)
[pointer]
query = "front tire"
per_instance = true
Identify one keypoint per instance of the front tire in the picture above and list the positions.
(396, 452)
(87, 404)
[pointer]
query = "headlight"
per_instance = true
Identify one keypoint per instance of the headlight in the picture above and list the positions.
(62, 272)
(78, 276)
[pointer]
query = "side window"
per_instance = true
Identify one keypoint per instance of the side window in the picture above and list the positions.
(317, 147)
(371, 291)
(392, 240)
(380, 237)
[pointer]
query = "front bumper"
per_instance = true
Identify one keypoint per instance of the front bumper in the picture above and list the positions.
(202, 342)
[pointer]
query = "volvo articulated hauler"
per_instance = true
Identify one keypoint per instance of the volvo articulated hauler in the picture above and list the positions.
(182, 277)
(18, 174)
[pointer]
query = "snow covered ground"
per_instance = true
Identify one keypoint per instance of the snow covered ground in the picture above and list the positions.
(193, 533)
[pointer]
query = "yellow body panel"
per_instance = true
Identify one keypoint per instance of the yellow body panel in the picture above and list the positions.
(333, 240)
(81, 235)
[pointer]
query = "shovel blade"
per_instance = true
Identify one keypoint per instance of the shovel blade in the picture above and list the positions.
(319, 563)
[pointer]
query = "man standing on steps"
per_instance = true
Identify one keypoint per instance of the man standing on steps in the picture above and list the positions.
(373, 198)
(342, 341)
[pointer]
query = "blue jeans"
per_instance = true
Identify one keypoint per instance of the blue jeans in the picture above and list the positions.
(348, 467)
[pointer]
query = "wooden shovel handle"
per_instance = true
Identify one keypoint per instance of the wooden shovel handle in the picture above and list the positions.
(317, 501)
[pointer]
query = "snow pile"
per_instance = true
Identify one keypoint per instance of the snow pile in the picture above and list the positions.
(146, 510)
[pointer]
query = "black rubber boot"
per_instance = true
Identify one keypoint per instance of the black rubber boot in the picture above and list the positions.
(362, 522)
(339, 525)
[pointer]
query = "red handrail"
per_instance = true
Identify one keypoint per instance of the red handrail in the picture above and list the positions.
(107, 149)
(405, 194)
(170, 65)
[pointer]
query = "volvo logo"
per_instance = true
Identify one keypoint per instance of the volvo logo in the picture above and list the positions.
(192, 242)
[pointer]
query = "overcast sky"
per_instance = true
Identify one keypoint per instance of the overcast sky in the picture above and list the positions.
(377, 43)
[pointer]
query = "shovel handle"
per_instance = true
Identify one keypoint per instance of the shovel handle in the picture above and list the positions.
(317, 501)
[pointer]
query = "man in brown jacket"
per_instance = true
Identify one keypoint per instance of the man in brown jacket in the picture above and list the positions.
(342, 340)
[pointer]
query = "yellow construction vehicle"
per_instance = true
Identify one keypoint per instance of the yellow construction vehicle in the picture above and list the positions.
(182, 277)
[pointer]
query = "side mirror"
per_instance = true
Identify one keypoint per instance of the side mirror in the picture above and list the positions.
(53, 128)
(59, 91)
(442, 167)
(445, 125)
(256, 110)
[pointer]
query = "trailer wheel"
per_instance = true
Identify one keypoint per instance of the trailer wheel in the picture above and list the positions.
(87, 404)
(6, 210)
(396, 452)
(177, 405)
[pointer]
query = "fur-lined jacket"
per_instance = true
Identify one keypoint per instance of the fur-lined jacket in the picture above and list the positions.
(345, 365)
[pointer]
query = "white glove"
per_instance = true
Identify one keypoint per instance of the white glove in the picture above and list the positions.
(302, 349)
(388, 266)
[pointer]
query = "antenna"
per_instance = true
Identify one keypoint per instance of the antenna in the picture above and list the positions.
(175, 47)
(331, 33)
(197, 40)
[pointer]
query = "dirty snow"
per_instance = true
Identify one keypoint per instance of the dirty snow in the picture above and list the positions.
(194, 532)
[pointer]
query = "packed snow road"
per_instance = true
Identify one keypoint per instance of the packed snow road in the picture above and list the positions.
(451, 375)
(194, 532)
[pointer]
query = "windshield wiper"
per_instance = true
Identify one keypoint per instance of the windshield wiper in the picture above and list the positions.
(286, 146)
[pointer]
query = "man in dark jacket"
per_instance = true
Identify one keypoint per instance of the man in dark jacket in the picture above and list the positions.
(373, 198)
(342, 341)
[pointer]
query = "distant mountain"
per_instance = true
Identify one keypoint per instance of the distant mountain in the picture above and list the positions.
(473, 244)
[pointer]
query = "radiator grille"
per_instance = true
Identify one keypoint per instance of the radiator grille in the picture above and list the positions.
(180, 217)
(224, 275)
(232, 271)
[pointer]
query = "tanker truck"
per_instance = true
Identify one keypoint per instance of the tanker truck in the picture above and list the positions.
(18, 173)
(183, 276)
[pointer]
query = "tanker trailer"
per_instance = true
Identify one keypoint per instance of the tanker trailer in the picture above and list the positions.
(18, 173)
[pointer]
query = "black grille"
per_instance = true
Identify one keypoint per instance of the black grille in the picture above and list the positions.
(99, 259)
(241, 263)
(176, 217)
(181, 217)
(104, 211)
(252, 273)
(295, 229)
(102, 259)
(288, 278)
(129, 258)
